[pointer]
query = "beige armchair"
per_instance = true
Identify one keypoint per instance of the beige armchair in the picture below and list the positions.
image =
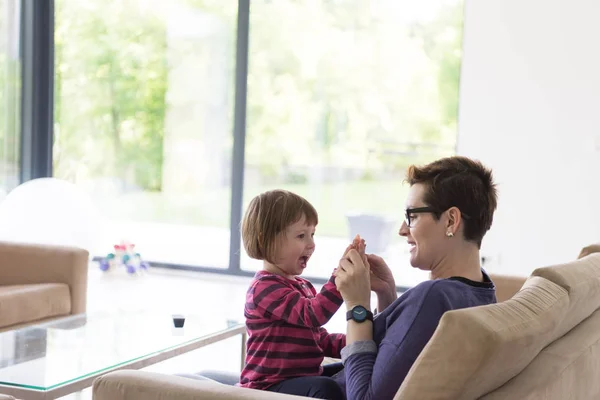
(40, 282)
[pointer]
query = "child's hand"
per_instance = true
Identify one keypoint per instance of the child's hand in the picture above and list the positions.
(353, 245)
(362, 246)
(359, 245)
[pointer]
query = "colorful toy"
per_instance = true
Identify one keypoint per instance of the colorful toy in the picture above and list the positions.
(124, 256)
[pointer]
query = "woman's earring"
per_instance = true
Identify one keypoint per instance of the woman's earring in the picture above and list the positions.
(449, 234)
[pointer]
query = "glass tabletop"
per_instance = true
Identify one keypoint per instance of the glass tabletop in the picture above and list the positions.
(49, 355)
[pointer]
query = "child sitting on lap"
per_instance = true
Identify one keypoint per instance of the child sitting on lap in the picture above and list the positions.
(284, 314)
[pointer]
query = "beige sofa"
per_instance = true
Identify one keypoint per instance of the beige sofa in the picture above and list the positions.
(542, 343)
(40, 283)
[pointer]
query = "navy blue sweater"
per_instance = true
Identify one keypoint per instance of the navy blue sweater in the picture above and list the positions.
(401, 332)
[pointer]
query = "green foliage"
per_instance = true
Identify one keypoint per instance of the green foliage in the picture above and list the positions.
(442, 42)
(340, 83)
(111, 82)
(337, 84)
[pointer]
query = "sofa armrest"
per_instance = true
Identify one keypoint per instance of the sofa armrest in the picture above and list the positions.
(22, 264)
(143, 385)
(507, 286)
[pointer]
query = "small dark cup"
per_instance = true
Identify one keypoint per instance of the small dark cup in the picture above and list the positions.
(178, 321)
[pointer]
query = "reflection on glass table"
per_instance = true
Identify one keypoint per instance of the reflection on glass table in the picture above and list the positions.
(60, 357)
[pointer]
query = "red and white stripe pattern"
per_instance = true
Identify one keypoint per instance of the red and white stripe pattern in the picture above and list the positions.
(284, 320)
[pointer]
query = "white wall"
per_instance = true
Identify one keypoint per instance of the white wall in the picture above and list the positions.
(530, 109)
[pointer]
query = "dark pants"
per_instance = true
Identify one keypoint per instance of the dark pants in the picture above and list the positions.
(317, 387)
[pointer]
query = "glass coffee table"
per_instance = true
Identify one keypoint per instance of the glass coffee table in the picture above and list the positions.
(57, 358)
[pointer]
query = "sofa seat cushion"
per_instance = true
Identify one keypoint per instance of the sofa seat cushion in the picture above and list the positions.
(146, 385)
(26, 303)
(581, 280)
(475, 350)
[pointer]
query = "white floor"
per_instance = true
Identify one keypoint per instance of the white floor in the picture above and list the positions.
(168, 291)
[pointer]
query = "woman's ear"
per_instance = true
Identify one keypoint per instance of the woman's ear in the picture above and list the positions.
(454, 220)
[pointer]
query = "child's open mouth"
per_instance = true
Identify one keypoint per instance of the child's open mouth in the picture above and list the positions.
(303, 261)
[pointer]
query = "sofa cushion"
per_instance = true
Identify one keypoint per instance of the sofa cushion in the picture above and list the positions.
(566, 369)
(581, 280)
(145, 385)
(475, 350)
(27, 303)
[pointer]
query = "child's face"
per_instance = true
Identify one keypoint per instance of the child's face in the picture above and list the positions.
(296, 248)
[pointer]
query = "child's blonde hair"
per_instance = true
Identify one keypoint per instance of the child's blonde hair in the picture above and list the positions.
(267, 216)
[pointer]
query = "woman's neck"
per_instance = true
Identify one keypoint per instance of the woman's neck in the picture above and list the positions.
(464, 261)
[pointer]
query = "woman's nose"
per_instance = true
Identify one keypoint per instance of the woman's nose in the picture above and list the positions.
(404, 231)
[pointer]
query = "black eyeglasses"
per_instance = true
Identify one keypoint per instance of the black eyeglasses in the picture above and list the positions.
(418, 210)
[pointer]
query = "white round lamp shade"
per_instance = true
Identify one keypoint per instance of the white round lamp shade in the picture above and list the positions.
(50, 211)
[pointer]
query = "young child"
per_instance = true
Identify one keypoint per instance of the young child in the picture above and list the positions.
(284, 314)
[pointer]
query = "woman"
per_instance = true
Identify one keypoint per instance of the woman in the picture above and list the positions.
(449, 209)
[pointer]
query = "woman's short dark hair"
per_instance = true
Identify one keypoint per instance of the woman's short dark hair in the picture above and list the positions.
(463, 183)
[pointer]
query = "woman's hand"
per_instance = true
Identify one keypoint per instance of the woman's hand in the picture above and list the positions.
(382, 282)
(381, 278)
(353, 280)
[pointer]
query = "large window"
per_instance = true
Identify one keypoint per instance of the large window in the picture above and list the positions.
(143, 120)
(335, 99)
(342, 97)
(10, 86)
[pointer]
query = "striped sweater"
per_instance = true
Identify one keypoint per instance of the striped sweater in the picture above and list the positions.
(284, 321)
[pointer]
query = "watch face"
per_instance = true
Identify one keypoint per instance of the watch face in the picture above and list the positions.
(359, 313)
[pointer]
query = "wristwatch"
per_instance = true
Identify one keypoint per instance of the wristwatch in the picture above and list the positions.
(359, 314)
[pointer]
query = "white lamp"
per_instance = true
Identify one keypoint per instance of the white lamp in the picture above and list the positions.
(50, 211)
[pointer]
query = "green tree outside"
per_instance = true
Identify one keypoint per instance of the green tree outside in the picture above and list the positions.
(332, 85)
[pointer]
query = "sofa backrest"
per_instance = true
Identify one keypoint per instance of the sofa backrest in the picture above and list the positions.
(566, 369)
(581, 280)
(473, 351)
(570, 366)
